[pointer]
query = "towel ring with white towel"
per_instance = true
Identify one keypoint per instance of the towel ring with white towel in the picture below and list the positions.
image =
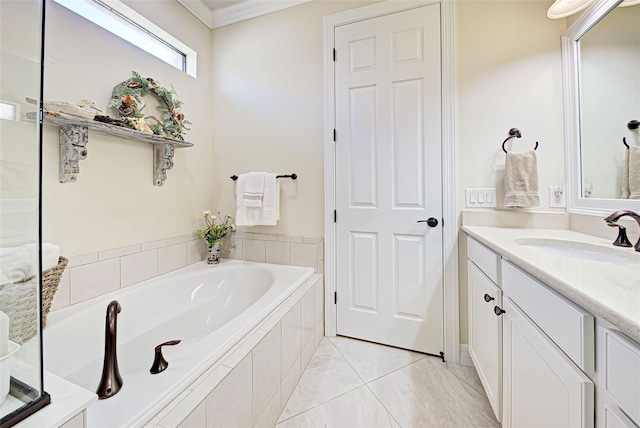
(258, 198)
(520, 176)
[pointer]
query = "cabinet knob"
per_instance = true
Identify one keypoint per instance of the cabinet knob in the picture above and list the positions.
(488, 298)
(498, 311)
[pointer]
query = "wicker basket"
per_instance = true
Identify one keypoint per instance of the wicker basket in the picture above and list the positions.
(18, 300)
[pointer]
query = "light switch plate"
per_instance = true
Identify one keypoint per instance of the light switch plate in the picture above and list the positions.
(480, 197)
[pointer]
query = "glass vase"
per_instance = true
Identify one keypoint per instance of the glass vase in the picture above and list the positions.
(213, 253)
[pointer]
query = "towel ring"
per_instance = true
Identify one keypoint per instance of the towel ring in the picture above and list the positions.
(514, 133)
(624, 141)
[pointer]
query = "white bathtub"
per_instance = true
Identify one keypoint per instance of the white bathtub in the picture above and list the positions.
(208, 307)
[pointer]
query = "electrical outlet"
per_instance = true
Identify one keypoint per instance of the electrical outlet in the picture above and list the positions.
(480, 197)
(557, 197)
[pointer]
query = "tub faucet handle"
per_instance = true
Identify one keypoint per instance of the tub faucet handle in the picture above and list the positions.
(159, 363)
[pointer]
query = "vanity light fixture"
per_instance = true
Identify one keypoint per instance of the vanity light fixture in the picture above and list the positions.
(563, 8)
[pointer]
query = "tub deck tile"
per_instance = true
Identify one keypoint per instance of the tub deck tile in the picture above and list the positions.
(164, 412)
(182, 411)
(244, 349)
(275, 318)
(271, 413)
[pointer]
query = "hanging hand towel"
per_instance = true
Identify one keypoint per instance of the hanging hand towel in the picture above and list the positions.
(634, 172)
(266, 215)
(253, 189)
(625, 177)
(521, 180)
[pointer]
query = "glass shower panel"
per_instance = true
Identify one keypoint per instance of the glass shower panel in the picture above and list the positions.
(21, 388)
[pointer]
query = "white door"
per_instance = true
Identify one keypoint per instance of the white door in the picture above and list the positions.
(542, 387)
(388, 179)
(485, 335)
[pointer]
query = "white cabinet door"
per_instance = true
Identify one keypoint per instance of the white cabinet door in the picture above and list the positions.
(485, 335)
(542, 387)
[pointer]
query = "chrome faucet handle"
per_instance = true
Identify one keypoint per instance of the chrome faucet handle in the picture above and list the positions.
(159, 363)
(621, 240)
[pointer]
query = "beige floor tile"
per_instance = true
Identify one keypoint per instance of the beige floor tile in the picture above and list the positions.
(371, 360)
(357, 408)
(426, 394)
(327, 376)
(467, 374)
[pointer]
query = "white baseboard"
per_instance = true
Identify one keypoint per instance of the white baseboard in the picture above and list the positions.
(465, 358)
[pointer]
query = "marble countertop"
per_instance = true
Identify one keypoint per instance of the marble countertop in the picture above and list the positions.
(608, 290)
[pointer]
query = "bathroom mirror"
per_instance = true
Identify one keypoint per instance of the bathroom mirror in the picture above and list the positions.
(21, 375)
(601, 81)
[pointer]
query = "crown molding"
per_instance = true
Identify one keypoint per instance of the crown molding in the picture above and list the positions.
(237, 12)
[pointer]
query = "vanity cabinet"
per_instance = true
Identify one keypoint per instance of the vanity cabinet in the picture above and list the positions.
(618, 359)
(530, 346)
(542, 385)
(547, 349)
(485, 332)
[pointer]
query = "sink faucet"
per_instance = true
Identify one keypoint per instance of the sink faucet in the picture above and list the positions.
(622, 240)
(111, 381)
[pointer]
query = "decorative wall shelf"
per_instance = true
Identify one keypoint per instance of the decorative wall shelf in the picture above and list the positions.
(74, 136)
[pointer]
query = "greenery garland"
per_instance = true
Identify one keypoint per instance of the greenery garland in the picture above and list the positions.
(127, 99)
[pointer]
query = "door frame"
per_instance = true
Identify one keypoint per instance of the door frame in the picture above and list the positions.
(449, 205)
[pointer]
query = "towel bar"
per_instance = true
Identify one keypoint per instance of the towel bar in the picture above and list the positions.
(293, 176)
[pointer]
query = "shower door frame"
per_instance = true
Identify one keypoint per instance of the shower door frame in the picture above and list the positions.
(449, 206)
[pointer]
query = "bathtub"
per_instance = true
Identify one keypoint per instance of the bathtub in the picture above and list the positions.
(209, 308)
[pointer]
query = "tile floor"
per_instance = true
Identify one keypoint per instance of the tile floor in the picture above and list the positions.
(352, 383)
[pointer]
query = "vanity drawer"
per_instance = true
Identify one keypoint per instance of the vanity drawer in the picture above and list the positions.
(570, 327)
(484, 258)
(622, 372)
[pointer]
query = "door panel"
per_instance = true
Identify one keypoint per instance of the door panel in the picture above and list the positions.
(388, 175)
(364, 294)
(409, 169)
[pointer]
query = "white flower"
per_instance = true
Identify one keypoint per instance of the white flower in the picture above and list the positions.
(214, 217)
(206, 213)
(233, 227)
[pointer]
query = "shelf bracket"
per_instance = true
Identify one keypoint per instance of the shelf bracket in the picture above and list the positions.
(73, 149)
(162, 161)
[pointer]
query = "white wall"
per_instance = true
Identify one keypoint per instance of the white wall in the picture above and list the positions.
(114, 203)
(508, 75)
(268, 110)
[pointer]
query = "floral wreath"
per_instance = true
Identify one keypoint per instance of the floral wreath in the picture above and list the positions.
(127, 99)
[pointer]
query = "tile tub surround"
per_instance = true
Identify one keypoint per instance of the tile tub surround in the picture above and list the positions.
(277, 249)
(91, 275)
(608, 290)
(249, 384)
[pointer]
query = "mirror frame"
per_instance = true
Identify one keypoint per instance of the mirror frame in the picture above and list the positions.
(576, 204)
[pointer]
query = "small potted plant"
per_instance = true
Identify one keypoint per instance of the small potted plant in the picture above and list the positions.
(217, 228)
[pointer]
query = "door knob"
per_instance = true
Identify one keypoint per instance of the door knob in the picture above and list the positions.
(488, 298)
(433, 222)
(498, 311)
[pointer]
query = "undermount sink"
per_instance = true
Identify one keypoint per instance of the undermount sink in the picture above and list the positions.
(580, 250)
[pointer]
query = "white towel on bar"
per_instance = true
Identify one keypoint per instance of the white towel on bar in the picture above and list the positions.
(521, 180)
(266, 215)
(253, 189)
